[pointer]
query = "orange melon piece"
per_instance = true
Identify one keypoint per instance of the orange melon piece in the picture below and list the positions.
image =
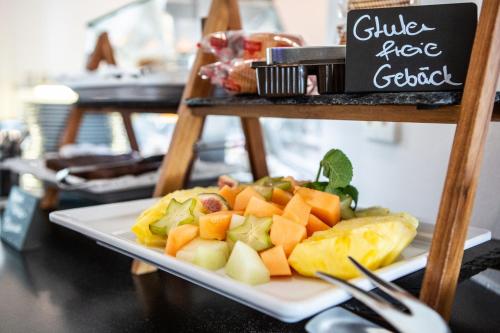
(286, 233)
(314, 224)
(280, 197)
(228, 193)
(180, 236)
(242, 199)
(280, 207)
(261, 208)
(276, 261)
(297, 210)
(325, 206)
(215, 225)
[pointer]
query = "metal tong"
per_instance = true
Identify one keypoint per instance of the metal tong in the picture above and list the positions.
(407, 315)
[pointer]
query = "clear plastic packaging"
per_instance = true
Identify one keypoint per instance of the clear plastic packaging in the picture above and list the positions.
(235, 77)
(236, 44)
(235, 51)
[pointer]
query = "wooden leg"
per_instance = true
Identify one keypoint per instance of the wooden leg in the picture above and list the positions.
(127, 123)
(177, 161)
(255, 146)
(72, 125)
(234, 22)
(140, 267)
(440, 280)
(50, 198)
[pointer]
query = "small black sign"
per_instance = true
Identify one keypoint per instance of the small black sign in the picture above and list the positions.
(21, 222)
(419, 48)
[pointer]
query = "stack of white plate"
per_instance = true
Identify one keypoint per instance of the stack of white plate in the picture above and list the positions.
(46, 123)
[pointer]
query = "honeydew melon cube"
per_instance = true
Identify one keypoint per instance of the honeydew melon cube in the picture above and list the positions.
(209, 254)
(245, 265)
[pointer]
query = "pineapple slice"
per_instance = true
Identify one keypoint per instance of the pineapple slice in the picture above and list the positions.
(374, 241)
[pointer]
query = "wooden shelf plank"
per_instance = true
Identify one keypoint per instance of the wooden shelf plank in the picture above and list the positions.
(448, 114)
(435, 107)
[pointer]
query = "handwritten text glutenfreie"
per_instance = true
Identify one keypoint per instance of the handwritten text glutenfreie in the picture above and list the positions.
(368, 27)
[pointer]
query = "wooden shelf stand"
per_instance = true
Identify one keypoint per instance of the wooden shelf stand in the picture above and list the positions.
(472, 116)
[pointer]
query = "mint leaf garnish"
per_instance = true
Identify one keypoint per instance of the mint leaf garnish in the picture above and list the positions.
(319, 186)
(337, 168)
(353, 193)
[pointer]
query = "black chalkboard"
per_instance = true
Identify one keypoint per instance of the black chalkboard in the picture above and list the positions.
(418, 48)
(22, 222)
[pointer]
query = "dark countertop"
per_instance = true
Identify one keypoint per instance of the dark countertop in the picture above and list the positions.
(71, 284)
(405, 98)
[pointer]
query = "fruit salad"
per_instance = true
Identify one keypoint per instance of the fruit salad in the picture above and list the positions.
(277, 226)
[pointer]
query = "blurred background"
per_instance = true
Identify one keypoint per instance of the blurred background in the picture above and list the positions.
(45, 46)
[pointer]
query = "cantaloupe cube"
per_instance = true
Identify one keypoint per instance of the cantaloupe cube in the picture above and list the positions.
(180, 236)
(280, 207)
(260, 208)
(242, 199)
(325, 206)
(281, 197)
(286, 233)
(297, 210)
(315, 224)
(215, 225)
(276, 261)
(229, 193)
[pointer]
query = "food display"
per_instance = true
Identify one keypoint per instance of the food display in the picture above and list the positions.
(277, 226)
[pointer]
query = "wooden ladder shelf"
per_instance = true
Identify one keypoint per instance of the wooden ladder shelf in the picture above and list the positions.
(472, 117)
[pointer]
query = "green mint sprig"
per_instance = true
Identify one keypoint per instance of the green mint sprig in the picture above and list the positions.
(337, 167)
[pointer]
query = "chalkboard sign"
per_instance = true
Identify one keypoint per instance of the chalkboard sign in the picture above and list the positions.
(420, 48)
(22, 222)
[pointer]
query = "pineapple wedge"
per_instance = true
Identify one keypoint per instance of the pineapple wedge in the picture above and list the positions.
(374, 241)
(158, 210)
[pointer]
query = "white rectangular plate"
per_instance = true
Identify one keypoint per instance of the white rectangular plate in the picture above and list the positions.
(288, 299)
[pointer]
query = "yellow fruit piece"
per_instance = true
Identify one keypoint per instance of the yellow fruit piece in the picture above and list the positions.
(373, 241)
(157, 211)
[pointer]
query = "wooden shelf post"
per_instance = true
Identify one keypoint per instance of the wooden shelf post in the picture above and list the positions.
(223, 15)
(445, 257)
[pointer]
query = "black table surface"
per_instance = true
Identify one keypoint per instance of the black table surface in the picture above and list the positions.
(71, 284)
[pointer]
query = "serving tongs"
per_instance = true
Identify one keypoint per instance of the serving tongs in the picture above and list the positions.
(64, 176)
(408, 314)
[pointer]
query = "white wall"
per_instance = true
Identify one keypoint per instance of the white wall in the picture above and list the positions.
(42, 38)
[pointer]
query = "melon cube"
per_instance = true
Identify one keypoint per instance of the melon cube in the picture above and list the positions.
(209, 254)
(297, 210)
(245, 265)
(286, 233)
(276, 261)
